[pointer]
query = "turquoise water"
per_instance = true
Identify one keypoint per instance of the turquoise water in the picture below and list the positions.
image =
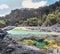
(30, 32)
(40, 43)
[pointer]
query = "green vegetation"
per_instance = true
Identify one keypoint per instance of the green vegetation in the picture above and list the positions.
(31, 22)
(47, 20)
(2, 23)
(50, 19)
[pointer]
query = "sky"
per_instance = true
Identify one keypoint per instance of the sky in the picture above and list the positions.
(7, 5)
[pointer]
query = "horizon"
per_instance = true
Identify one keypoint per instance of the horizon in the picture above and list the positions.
(6, 6)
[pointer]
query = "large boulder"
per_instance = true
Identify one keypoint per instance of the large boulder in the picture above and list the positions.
(2, 34)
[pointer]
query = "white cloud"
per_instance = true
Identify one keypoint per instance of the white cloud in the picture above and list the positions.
(30, 4)
(4, 6)
(1, 15)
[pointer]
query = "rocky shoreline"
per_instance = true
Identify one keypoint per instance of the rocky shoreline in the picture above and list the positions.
(8, 44)
(54, 28)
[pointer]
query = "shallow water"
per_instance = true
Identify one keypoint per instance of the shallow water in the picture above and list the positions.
(31, 32)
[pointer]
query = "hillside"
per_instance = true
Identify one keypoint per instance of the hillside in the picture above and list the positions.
(29, 13)
(16, 17)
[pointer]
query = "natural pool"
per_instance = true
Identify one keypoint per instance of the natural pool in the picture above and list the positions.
(13, 31)
(39, 43)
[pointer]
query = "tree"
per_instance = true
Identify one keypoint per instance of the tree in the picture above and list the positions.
(58, 17)
(25, 23)
(50, 20)
(2, 23)
(40, 22)
(32, 22)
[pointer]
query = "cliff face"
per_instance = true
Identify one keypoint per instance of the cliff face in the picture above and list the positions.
(22, 14)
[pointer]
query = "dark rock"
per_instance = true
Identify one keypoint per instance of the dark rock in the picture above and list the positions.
(2, 34)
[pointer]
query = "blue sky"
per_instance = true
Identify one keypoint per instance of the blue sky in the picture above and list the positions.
(7, 5)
